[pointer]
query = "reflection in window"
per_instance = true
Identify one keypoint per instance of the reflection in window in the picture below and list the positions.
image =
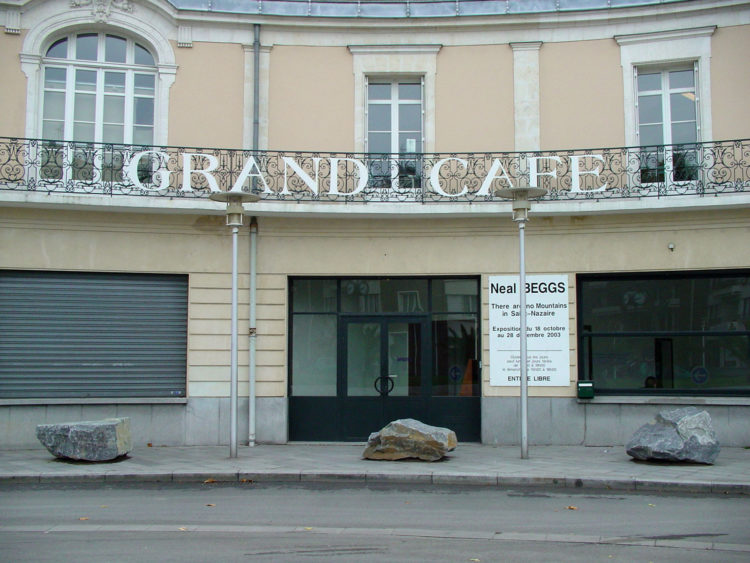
(656, 332)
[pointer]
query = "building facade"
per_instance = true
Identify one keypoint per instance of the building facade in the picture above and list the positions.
(378, 270)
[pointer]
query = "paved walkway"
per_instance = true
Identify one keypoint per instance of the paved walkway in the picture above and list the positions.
(472, 464)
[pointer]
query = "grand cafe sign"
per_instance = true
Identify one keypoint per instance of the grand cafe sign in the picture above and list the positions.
(349, 177)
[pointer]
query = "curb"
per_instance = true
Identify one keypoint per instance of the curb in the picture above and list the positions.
(382, 478)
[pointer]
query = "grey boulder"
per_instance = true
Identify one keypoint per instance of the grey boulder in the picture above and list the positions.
(90, 440)
(409, 438)
(684, 434)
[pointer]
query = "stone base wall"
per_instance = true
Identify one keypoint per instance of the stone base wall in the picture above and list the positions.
(199, 422)
(565, 421)
(205, 421)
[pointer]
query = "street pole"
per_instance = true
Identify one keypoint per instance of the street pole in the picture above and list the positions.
(523, 359)
(234, 211)
(520, 197)
(233, 352)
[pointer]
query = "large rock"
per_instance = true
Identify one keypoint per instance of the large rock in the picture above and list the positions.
(677, 435)
(91, 440)
(409, 438)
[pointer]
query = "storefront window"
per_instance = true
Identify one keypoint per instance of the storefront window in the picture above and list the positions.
(670, 333)
(431, 325)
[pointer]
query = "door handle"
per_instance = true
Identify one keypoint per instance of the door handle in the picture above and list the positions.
(379, 382)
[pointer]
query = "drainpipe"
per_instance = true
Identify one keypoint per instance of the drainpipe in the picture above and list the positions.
(252, 330)
(252, 333)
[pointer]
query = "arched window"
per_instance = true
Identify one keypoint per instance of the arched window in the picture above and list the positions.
(100, 88)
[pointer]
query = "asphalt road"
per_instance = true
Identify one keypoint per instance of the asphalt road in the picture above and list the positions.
(251, 522)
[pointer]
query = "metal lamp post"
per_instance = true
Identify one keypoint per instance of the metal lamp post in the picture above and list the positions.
(235, 210)
(521, 197)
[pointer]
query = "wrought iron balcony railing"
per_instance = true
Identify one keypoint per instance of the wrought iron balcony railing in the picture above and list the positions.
(35, 165)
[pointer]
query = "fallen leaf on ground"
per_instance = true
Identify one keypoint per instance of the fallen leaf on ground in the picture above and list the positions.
(571, 507)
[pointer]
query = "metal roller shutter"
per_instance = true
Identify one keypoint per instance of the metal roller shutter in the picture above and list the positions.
(78, 335)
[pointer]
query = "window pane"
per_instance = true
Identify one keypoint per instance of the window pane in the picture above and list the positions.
(314, 296)
(144, 84)
(85, 106)
(455, 296)
(409, 143)
(112, 134)
(410, 91)
(681, 79)
(59, 49)
(54, 105)
(114, 109)
(684, 133)
(314, 357)
(142, 56)
(682, 107)
(143, 135)
(648, 82)
(678, 304)
(649, 109)
(52, 130)
(456, 356)
(651, 135)
(54, 78)
(384, 296)
(696, 363)
(143, 111)
(114, 49)
(86, 47)
(83, 132)
(363, 359)
(379, 91)
(114, 82)
(379, 143)
(379, 117)
(410, 117)
(86, 80)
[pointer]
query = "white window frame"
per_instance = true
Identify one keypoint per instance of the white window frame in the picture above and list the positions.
(405, 172)
(150, 34)
(100, 67)
(667, 49)
(668, 155)
(394, 61)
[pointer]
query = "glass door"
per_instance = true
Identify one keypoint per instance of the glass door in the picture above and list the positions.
(384, 375)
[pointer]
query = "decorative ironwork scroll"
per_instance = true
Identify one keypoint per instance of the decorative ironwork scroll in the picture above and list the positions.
(190, 172)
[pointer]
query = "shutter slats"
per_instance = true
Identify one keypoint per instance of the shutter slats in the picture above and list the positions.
(73, 334)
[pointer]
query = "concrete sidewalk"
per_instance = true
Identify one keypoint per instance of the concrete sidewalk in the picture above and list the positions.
(470, 464)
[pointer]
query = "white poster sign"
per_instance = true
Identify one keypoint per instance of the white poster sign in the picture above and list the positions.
(547, 338)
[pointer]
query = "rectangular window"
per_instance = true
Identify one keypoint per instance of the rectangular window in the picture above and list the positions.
(679, 333)
(85, 335)
(668, 127)
(395, 131)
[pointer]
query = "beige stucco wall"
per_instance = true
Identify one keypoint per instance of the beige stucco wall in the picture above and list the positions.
(581, 95)
(184, 244)
(474, 99)
(730, 82)
(12, 87)
(311, 99)
(206, 99)
(485, 246)
(200, 246)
